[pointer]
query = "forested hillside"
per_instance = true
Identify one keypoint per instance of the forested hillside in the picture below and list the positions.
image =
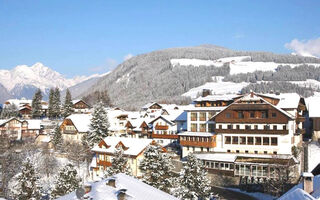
(151, 77)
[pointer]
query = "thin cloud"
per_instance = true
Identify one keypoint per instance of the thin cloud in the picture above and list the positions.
(127, 57)
(107, 66)
(305, 47)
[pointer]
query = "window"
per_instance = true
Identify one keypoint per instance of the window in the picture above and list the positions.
(243, 140)
(255, 127)
(251, 114)
(246, 151)
(228, 150)
(193, 116)
(240, 115)
(202, 127)
(258, 141)
(228, 115)
(210, 127)
(275, 127)
(284, 127)
(248, 127)
(266, 127)
(266, 141)
(250, 140)
(274, 141)
(275, 152)
(274, 114)
(265, 152)
(194, 127)
(208, 149)
(229, 126)
(228, 140)
(256, 152)
(201, 149)
(202, 116)
(264, 114)
(210, 114)
(235, 139)
(220, 126)
(238, 127)
(237, 151)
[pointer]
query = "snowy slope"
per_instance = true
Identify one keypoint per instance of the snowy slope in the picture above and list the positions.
(217, 87)
(238, 64)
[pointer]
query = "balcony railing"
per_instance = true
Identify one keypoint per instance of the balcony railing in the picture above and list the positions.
(252, 131)
(162, 127)
(70, 131)
(198, 144)
(104, 163)
(164, 136)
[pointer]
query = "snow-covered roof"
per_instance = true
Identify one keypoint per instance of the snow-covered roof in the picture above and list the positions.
(313, 104)
(217, 108)
(81, 121)
(287, 100)
(298, 193)
(223, 157)
(200, 134)
(34, 124)
(134, 146)
(134, 188)
(225, 97)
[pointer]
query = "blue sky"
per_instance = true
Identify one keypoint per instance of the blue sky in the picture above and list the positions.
(76, 37)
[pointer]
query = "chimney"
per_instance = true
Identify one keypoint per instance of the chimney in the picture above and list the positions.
(307, 182)
(251, 93)
(122, 194)
(205, 92)
(111, 182)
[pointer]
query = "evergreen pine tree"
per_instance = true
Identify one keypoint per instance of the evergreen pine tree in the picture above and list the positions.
(56, 103)
(99, 125)
(28, 187)
(68, 106)
(157, 168)
(57, 139)
(67, 181)
(9, 111)
(193, 181)
(51, 102)
(36, 104)
(119, 163)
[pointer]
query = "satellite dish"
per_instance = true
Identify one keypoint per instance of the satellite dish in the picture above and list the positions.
(80, 193)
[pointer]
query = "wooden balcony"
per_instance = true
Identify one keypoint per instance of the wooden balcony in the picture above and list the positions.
(198, 144)
(69, 131)
(161, 127)
(103, 163)
(252, 131)
(164, 136)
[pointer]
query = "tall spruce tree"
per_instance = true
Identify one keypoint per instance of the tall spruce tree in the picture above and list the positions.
(119, 163)
(68, 106)
(99, 125)
(28, 187)
(57, 139)
(9, 111)
(157, 168)
(51, 104)
(56, 103)
(36, 104)
(67, 181)
(193, 181)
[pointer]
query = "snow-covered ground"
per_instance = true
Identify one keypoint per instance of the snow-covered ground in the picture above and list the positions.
(257, 195)
(239, 64)
(217, 87)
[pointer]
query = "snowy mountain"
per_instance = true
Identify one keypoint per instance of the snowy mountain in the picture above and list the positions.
(23, 81)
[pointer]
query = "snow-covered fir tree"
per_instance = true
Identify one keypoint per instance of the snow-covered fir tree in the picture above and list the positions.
(9, 111)
(119, 163)
(99, 125)
(67, 106)
(36, 104)
(157, 167)
(27, 187)
(56, 103)
(67, 181)
(50, 106)
(57, 139)
(193, 182)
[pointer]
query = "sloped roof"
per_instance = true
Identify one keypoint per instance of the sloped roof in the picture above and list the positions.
(287, 100)
(34, 124)
(81, 121)
(134, 188)
(298, 193)
(225, 97)
(134, 145)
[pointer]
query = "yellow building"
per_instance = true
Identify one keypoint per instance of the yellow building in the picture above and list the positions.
(74, 126)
